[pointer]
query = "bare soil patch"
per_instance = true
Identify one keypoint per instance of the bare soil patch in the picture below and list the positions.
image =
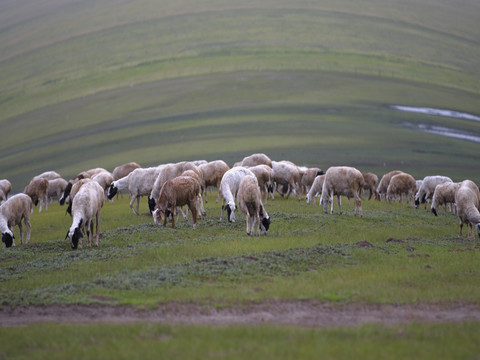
(307, 313)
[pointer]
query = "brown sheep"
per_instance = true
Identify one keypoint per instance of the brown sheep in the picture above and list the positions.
(256, 159)
(250, 203)
(5, 188)
(123, 170)
(37, 189)
(444, 194)
(12, 212)
(212, 174)
(401, 184)
(370, 182)
(384, 181)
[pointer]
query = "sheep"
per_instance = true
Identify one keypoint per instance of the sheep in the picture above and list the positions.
(308, 177)
(250, 203)
(139, 183)
(229, 188)
(426, 190)
(49, 175)
(256, 159)
(123, 170)
(371, 180)
(82, 175)
(401, 184)
(444, 194)
(12, 211)
(467, 201)
(342, 180)
(168, 172)
(37, 189)
(5, 188)
(199, 204)
(212, 174)
(104, 179)
(86, 206)
(384, 181)
(287, 174)
(182, 190)
(264, 174)
(315, 189)
(74, 192)
(55, 189)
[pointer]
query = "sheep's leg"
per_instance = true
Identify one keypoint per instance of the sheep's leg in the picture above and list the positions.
(20, 228)
(256, 224)
(461, 227)
(289, 190)
(96, 225)
(248, 218)
(173, 216)
(223, 206)
(470, 230)
(26, 220)
(358, 205)
(131, 205)
(193, 209)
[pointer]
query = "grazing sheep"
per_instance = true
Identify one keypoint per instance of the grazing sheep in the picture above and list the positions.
(86, 206)
(104, 179)
(212, 174)
(315, 189)
(5, 188)
(426, 190)
(74, 192)
(264, 174)
(49, 175)
(180, 191)
(123, 170)
(37, 189)
(199, 204)
(467, 200)
(229, 188)
(342, 180)
(371, 180)
(401, 184)
(12, 211)
(139, 183)
(384, 181)
(55, 189)
(82, 175)
(444, 194)
(308, 177)
(250, 203)
(256, 159)
(287, 174)
(168, 172)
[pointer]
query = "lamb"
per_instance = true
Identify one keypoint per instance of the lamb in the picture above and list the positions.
(168, 172)
(427, 188)
(287, 174)
(342, 180)
(5, 188)
(229, 189)
(308, 177)
(370, 182)
(37, 189)
(401, 184)
(12, 212)
(86, 206)
(250, 203)
(139, 183)
(180, 191)
(384, 182)
(264, 174)
(212, 174)
(315, 189)
(444, 194)
(467, 200)
(55, 189)
(256, 159)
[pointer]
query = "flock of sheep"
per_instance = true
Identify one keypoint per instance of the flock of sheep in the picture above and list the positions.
(249, 183)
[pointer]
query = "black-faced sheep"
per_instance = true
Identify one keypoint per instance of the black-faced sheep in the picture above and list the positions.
(426, 190)
(250, 203)
(86, 206)
(342, 180)
(5, 188)
(229, 189)
(12, 212)
(384, 182)
(180, 191)
(74, 192)
(444, 194)
(37, 189)
(212, 174)
(82, 175)
(400, 185)
(467, 201)
(371, 180)
(315, 189)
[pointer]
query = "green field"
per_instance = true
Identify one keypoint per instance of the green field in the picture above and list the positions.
(91, 83)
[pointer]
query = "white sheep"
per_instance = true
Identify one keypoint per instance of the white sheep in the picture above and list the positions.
(12, 212)
(180, 191)
(467, 201)
(401, 184)
(264, 175)
(86, 206)
(371, 180)
(229, 188)
(212, 174)
(287, 174)
(384, 182)
(250, 203)
(5, 188)
(74, 192)
(315, 189)
(55, 189)
(342, 180)
(256, 159)
(444, 194)
(308, 177)
(88, 174)
(104, 179)
(37, 189)
(426, 190)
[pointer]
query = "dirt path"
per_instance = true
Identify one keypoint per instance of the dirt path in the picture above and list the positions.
(299, 313)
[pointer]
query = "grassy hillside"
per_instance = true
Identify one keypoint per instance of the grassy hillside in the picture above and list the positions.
(99, 83)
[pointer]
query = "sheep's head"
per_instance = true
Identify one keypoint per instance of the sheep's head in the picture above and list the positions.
(158, 216)
(230, 207)
(151, 204)
(112, 191)
(434, 211)
(265, 225)
(75, 235)
(8, 238)
(65, 194)
(417, 202)
(308, 198)
(325, 201)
